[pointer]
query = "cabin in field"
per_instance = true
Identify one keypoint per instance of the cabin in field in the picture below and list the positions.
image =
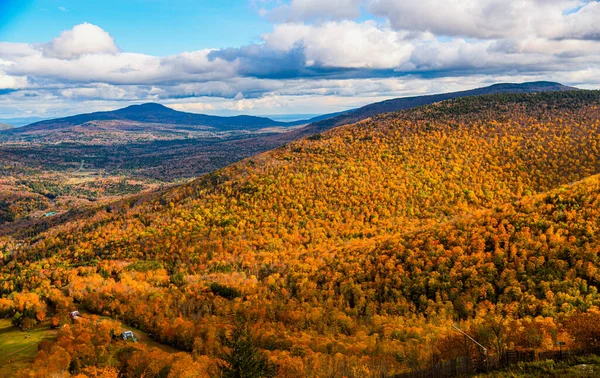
(75, 315)
(128, 335)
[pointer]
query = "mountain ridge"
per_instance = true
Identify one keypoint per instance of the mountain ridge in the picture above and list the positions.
(154, 113)
(404, 103)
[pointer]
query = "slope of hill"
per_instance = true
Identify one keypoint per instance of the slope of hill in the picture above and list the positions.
(4, 126)
(350, 252)
(143, 146)
(411, 102)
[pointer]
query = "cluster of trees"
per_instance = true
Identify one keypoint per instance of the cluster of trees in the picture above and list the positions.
(14, 206)
(91, 347)
(352, 253)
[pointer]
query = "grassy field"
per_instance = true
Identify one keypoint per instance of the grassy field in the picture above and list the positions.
(18, 348)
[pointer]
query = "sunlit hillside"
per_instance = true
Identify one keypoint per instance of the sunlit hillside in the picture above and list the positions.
(351, 251)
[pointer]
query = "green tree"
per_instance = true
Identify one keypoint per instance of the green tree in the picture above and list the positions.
(243, 359)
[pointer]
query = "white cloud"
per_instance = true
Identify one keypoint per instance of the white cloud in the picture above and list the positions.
(484, 19)
(12, 82)
(345, 44)
(469, 18)
(583, 24)
(194, 107)
(303, 10)
(493, 19)
(87, 54)
(304, 96)
(326, 65)
(81, 40)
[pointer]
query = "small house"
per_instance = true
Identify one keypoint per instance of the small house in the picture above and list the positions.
(75, 315)
(128, 335)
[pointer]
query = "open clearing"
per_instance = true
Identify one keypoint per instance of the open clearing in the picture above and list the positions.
(18, 348)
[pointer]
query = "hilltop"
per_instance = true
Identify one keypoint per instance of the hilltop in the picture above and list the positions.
(404, 103)
(353, 250)
(4, 126)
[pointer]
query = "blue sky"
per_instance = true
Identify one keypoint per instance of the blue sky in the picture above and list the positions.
(278, 57)
(157, 27)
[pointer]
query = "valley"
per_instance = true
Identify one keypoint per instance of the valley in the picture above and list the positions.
(58, 165)
(350, 252)
(299, 189)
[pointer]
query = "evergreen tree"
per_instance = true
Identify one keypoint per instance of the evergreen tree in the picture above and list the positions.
(244, 359)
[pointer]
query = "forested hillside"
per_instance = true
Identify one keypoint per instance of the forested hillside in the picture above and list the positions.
(351, 252)
(94, 157)
(398, 104)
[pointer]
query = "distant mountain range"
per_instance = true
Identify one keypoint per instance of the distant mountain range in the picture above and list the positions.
(21, 121)
(152, 140)
(152, 113)
(4, 126)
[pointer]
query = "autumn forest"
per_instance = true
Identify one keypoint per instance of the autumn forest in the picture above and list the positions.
(349, 253)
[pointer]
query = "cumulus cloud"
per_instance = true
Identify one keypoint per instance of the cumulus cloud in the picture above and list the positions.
(344, 44)
(493, 19)
(88, 54)
(322, 53)
(582, 24)
(465, 18)
(483, 19)
(332, 49)
(81, 40)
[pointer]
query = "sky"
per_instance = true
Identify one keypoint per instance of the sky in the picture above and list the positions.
(277, 57)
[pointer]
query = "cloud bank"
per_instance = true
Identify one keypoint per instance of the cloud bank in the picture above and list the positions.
(320, 56)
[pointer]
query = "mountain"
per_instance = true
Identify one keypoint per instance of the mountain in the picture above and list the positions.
(156, 114)
(152, 113)
(4, 126)
(348, 253)
(411, 102)
(150, 143)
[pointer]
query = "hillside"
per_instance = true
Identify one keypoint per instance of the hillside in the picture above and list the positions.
(353, 251)
(85, 158)
(4, 126)
(398, 104)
